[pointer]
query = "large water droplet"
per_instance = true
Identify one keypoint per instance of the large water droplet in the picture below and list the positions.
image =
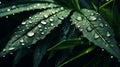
(92, 18)
(43, 22)
(62, 8)
(89, 29)
(23, 44)
(6, 16)
(30, 34)
(42, 33)
(79, 18)
(108, 34)
(11, 48)
(96, 36)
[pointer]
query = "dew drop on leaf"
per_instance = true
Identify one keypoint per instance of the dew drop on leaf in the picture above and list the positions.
(92, 18)
(51, 19)
(89, 29)
(101, 25)
(111, 56)
(0, 2)
(46, 16)
(11, 48)
(8, 9)
(23, 23)
(21, 40)
(39, 26)
(43, 22)
(30, 34)
(108, 34)
(96, 36)
(79, 18)
(52, 24)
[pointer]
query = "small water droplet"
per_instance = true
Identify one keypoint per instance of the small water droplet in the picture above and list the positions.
(106, 25)
(40, 29)
(11, 53)
(39, 26)
(0, 2)
(8, 9)
(92, 14)
(103, 49)
(23, 44)
(11, 48)
(92, 18)
(21, 40)
(3, 56)
(51, 19)
(89, 29)
(101, 25)
(96, 36)
(46, 28)
(108, 34)
(38, 4)
(30, 21)
(4, 49)
(6, 16)
(42, 33)
(30, 34)
(13, 6)
(23, 23)
(46, 16)
(111, 56)
(62, 8)
(52, 24)
(43, 22)
(79, 18)
(53, 12)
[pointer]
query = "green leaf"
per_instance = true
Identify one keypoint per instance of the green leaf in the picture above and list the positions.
(24, 7)
(39, 53)
(66, 44)
(96, 30)
(36, 28)
(84, 52)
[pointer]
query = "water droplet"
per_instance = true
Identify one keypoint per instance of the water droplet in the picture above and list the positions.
(43, 22)
(103, 49)
(111, 56)
(39, 26)
(96, 36)
(23, 44)
(92, 14)
(101, 25)
(52, 24)
(11, 53)
(3, 56)
(53, 12)
(8, 9)
(6, 16)
(79, 18)
(13, 6)
(81, 29)
(38, 4)
(21, 40)
(30, 21)
(40, 29)
(108, 34)
(4, 49)
(11, 48)
(23, 23)
(92, 18)
(89, 29)
(46, 16)
(62, 8)
(51, 19)
(30, 34)
(0, 2)
(46, 28)
(28, 47)
(42, 33)
(106, 25)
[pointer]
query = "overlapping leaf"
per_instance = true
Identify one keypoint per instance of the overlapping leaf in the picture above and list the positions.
(36, 28)
(96, 29)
